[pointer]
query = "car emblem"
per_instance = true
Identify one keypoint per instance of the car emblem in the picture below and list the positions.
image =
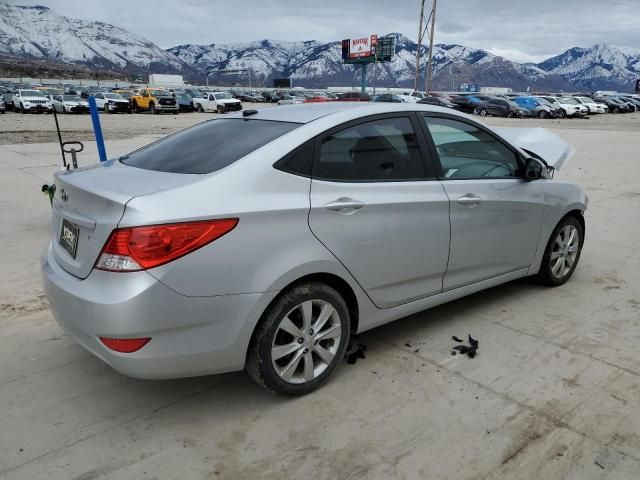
(63, 195)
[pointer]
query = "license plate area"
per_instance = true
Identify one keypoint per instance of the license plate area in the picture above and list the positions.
(69, 237)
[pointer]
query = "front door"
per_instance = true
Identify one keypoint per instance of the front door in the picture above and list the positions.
(376, 206)
(496, 216)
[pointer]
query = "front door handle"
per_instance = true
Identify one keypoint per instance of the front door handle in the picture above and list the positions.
(344, 205)
(469, 200)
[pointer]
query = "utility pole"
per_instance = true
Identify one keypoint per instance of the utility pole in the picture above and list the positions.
(420, 36)
(431, 35)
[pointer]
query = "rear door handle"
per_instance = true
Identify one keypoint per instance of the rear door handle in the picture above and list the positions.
(469, 200)
(344, 205)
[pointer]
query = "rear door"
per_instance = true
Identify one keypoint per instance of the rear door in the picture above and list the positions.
(496, 215)
(376, 205)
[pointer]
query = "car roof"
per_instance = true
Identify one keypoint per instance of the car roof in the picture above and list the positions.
(308, 112)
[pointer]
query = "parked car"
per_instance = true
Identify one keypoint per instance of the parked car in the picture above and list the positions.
(154, 100)
(613, 106)
(438, 102)
(70, 104)
(500, 107)
(3, 107)
(253, 97)
(112, 103)
(592, 106)
(354, 97)
(568, 106)
(534, 106)
(416, 96)
(221, 102)
(317, 99)
(269, 96)
(388, 97)
(628, 102)
(27, 101)
(185, 101)
(278, 269)
(555, 107)
(7, 97)
(290, 100)
(467, 103)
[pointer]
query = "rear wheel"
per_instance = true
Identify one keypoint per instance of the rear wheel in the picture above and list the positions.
(484, 112)
(542, 114)
(200, 108)
(300, 340)
(562, 253)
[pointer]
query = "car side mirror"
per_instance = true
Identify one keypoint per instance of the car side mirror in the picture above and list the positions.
(533, 169)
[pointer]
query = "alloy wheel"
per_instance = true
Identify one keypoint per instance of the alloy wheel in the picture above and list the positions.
(565, 250)
(306, 341)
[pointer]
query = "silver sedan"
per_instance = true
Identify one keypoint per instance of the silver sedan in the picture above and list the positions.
(264, 240)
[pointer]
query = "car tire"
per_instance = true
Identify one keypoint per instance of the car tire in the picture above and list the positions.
(542, 114)
(200, 108)
(299, 308)
(136, 109)
(484, 112)
(152, 109)
(510, 115)
(558, 263)
(616, 110)
(22, 109)
(220, 109)
(563, 113)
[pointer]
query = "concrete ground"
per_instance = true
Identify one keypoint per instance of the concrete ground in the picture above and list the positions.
(554, 392)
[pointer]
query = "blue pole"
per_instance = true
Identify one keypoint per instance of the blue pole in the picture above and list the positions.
(97, 129)
(363, 80)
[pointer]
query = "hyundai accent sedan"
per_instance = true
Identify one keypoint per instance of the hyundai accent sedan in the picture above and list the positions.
(264, 240)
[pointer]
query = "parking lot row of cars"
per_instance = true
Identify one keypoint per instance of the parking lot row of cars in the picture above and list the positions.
(73, 99)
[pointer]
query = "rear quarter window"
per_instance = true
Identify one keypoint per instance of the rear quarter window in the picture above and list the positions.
(208, 146)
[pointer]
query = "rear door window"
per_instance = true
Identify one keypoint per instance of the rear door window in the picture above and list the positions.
(380, 150)
(208, 146)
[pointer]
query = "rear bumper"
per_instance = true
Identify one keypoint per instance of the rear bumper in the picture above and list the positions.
(190, 336)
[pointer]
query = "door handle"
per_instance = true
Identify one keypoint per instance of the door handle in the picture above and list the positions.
(469, 200)
(344, 205)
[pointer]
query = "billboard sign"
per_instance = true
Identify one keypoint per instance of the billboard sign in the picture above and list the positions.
(363, 46)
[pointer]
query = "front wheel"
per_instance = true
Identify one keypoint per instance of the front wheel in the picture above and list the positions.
(22, 109)
(136, 109)
(153, 109)
(562, 253)
(300, 340)
(484, 112)
(220, 109)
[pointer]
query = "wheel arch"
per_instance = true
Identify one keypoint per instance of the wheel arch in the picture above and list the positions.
(332, 280)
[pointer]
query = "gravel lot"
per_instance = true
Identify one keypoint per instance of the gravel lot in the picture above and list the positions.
(554, 392)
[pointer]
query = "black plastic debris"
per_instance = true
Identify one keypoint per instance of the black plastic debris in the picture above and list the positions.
(468, 350)
(355, 350)
(456, 339)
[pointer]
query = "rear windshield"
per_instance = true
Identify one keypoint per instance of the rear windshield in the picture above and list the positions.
(208, 146)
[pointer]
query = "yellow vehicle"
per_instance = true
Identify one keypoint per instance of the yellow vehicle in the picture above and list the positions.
(154, 100)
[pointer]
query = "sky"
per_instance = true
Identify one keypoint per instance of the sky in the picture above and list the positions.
(520, 30)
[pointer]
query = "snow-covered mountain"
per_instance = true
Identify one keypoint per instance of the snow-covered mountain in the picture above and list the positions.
(40, 33)
(318, 64)
(599, 67)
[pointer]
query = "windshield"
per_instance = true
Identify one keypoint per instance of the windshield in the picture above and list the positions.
(569, 100)
(113, 96)
(512, 103)
(542, 101)
(222, 96)
(159, 93)
(71, 98)
(208, 146)
(31, 93)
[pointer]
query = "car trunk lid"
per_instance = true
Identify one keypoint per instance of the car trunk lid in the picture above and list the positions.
(88, 204)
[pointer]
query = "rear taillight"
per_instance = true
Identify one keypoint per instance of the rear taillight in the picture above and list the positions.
(139, 248)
